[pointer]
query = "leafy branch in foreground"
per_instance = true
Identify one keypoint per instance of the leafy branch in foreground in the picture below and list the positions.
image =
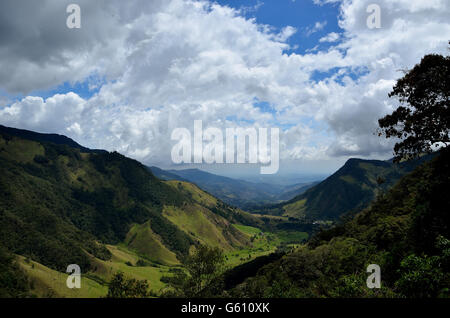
(422, 121)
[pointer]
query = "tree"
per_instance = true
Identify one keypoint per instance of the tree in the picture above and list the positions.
(202, 276)
(121, 287)
(420, 277)
(13, 280)
(422, 120)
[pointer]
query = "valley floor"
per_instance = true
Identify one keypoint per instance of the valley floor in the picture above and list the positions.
(47, 282)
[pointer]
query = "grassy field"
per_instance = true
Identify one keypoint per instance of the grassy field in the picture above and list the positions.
(262, 244)
(143, 240)
(295, 209)
(278, 237)
(50, 283)
(194, 222)
(194, 192)
(121, 260)
(20, 150)
(292, 236)
(249, 230)
(274, 217)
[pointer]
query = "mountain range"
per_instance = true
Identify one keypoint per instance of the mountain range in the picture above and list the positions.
(404, 232)
(236, 192)
(348, 190)
(61, 203)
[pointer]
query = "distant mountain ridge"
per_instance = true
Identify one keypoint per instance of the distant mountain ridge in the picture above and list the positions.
(165, 174)
(349, 189)
(406, 230)
(41, 137)
(240, 193)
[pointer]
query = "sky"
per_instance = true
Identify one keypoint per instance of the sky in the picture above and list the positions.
(136, 70)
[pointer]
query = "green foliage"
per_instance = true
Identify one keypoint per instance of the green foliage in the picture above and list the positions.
(60, 203)
(55, 207)
(238, 274)
(121, 287)
(423, 118)
(201, 276)
(354, 286)
(400, 225)
(249, 230)
(292, 237)
(40, 159)
(171, 236)
(13, 282)
(142, 263)
(420, 276)
(424, 276)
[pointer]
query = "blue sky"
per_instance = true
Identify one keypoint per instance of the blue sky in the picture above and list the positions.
(301, 14)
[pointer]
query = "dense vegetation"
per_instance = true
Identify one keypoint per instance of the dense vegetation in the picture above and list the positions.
(122, 287)
(13, 280)
(57, 205)
(347, 191)
(405, 231)
(60, 204)
(201, 277)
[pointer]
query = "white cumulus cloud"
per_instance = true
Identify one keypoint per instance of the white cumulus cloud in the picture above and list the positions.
(168, 63)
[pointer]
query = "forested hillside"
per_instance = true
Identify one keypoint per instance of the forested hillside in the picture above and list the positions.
(60, 204)
(405, 231)
(348, 190)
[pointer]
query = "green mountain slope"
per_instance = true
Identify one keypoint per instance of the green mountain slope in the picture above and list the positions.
(53, 138)
(349, 189)
(405, 231)
(60, 205)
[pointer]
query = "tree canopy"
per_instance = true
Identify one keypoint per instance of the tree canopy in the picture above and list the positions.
(121, 287)
(201, 276)
(422, 121)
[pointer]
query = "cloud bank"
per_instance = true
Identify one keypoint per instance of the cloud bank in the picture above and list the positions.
(160, 65)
